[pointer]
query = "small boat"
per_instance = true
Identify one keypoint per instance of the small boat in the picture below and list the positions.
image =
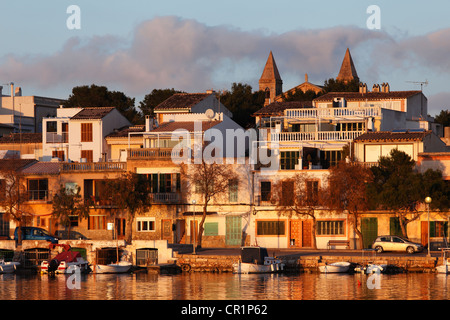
(65, 262)
(256, 260)
(445, 266)
(336, 267)
(376, 268)
(8, 267)
(119, 267)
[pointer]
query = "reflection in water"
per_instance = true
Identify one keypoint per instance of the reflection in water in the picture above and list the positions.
(225, 286)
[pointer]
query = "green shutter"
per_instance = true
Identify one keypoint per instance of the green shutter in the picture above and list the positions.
(211, 229)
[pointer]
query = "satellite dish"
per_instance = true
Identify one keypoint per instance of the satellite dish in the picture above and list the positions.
(210, 113)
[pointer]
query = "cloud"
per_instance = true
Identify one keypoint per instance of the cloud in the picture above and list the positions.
(171, 52)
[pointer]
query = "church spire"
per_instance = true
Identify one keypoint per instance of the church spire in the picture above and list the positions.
(348, 70)
(270, 80)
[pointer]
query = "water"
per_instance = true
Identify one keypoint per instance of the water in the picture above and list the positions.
(227, 286)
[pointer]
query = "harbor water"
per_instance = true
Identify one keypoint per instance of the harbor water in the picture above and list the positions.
(226, 286)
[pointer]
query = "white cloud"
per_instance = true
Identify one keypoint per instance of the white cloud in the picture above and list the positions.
(168, 52)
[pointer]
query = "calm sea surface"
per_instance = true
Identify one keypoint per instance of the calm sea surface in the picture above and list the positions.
(227, 286)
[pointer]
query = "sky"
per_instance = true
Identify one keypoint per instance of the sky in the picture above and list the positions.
(136, 46)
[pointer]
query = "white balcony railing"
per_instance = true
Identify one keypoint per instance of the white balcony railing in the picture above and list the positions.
(316, 136)
(331, 113)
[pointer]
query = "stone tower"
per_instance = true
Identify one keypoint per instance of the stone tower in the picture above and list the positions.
(348, 70)
(270, 80)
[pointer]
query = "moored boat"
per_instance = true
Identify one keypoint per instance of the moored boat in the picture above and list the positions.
(445, 266)
(65, 262)
(8, 267)
(119, 267)
(256, 260)
(336, 267)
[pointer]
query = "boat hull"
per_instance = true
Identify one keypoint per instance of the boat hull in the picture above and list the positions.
(121, 267)
(245, 268)
(339, 267)
(443, 269)
(8, 267)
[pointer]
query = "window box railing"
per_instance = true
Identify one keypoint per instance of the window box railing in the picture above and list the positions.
(316, 136)
(93, 166)
(167, 197)
(331, 113)
(39, 195)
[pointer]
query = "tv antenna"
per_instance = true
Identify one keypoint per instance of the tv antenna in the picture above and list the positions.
(422, 83)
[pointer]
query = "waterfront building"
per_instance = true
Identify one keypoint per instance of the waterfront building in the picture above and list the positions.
(78, 134)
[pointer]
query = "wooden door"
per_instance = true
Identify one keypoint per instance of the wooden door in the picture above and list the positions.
(307, 233)
(180, 231)
(369, 230)
(295, 233)
(233, 231)
(424, 233)
(120, 225)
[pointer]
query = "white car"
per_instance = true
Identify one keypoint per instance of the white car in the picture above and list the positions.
(395, 243)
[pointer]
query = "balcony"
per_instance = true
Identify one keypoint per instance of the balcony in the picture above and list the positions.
(315, 136)
(53, 137)
(93, 166)
(168, 197)
(39, 195)
(333, 113)
(152, 154)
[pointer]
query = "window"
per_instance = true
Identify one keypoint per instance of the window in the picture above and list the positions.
(289, 159)
(330, 228)
(211, 229)
(51, 126)
(287, 193)
(438, 228)
(266, 187)
(37, 189)
(86, 132)
(88, 155)
(58, 154)
(330, 158)
(65, 132)
(145, 225)
(233, 190)
(312, 191)
(97, 223)
(270, 228)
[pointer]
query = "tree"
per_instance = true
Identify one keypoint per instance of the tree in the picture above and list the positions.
(210, 181)
(347, 192)
(300, 195)
(130, 195)
(399, 187)
(154, 98)
(333, 85)
(242, 102)
(68, 203)
(13, 193)
(299, 95)
(443, 118)
(100, 96)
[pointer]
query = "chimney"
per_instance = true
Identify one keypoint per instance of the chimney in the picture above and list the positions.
(306, 77)
(18, 92)
(148, 123)
(1, 91)
(376, 88)
(386, 87)
(362, 88)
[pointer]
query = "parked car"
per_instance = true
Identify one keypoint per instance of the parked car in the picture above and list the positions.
(395, 243)
(35, 233)
(74, 235)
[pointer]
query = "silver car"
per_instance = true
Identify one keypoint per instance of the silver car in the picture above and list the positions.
(395, 243)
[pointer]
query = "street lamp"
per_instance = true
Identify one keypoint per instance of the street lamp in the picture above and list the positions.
(428, 201)
(195, 231)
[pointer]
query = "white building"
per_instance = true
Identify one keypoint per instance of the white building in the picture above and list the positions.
(78, 134)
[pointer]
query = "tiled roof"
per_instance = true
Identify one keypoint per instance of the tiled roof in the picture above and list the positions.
(392, 136)
(15, 164)
(182, 101)
(348, 70)
(123, 132)
(367, 96)
(277, 108)
(92, 113)
(187, 125)
(270, 71)
(42, 168)
(23, 138)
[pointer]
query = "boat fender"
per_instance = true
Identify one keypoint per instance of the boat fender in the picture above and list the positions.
(186, 267)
